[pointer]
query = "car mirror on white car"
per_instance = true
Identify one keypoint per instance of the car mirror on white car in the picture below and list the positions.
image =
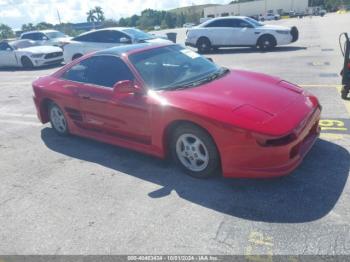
(8, 49)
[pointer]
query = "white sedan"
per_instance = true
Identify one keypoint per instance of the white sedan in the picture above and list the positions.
(106, 38)
(27, 54)
(239, 31)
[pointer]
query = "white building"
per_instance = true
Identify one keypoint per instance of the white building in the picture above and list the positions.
(257, 7)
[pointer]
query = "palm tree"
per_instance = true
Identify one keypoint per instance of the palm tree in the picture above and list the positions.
(91, 18)
(99, 13)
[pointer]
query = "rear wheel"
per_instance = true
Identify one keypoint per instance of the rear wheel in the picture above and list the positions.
(57, 120)
(26, 63)
(203, 45)
(266, 43)
(193, 150)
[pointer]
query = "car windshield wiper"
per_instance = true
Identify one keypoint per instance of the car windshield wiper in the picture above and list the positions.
(221, 72)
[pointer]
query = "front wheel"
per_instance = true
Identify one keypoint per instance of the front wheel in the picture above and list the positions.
(57, 120)
(193, 150)
(27, 63)
(266, 43)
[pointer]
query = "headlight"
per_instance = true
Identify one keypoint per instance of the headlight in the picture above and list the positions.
(37, 55)
(283, 32)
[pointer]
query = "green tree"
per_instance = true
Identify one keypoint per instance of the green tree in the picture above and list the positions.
(6, 32)
(28, 27)
(44, 25)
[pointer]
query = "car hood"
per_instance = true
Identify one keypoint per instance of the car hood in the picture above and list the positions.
(249, 100)
(41, 49)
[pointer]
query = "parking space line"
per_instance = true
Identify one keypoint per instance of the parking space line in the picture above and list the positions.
(321, 85)
(20, 122)
(18, 115)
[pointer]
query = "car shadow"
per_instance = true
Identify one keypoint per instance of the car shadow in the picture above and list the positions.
(42, 68)
(308, 194)
(247, 50)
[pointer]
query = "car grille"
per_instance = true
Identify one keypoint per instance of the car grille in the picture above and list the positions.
(53, 55)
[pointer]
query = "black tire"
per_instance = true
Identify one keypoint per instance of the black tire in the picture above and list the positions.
(266, 43)
(203, 45)
(76, 56)
(54, 125)
(26, 63)
(213, 163)
(344, 93)
(295, 34)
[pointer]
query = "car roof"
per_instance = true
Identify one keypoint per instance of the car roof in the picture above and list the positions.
(130, 49)
(106, 29)
(40, 31)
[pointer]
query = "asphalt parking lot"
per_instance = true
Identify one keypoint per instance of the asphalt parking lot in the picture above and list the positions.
(77, 196)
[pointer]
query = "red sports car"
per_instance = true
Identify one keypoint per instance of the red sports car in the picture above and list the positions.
(166, 100)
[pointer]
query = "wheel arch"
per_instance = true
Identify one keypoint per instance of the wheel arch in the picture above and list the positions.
(44, 109)
(203, 37)
(269, 35)
(170, 128)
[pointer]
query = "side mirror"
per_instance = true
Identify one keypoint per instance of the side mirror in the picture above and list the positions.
(45, 38)
(210, 59)
(126, 87)
(9, 49)
(125, 40)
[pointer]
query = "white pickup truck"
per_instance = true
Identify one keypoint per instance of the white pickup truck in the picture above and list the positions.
(239, 31)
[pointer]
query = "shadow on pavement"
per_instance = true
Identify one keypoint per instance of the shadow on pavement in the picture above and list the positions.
(247, 50)
(308, 194)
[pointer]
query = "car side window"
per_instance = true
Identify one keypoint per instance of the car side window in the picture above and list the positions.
(242, 24)
(27, 36)
(115, 36)
(99, 70)
(219, 23)
(85, 38)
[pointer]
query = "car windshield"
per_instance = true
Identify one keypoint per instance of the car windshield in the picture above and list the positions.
(254, 22)
(173, 67)
(138, 34)
(22, 44)
(55, 34)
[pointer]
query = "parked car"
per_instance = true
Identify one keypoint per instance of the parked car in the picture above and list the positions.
(269, 17)
(27, 54)
(166, 100)
(106, 38)
(239, 31)
(47, 37)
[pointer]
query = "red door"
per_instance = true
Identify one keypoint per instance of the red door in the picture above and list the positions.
(125, 116)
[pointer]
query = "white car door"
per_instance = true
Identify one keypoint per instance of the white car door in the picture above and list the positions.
(246, 33)
(221, 32)
(7, 55)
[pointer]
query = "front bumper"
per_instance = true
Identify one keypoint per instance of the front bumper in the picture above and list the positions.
(44, 62)
(273, 161)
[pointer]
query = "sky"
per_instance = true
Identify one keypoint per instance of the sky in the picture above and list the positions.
(17, 12)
